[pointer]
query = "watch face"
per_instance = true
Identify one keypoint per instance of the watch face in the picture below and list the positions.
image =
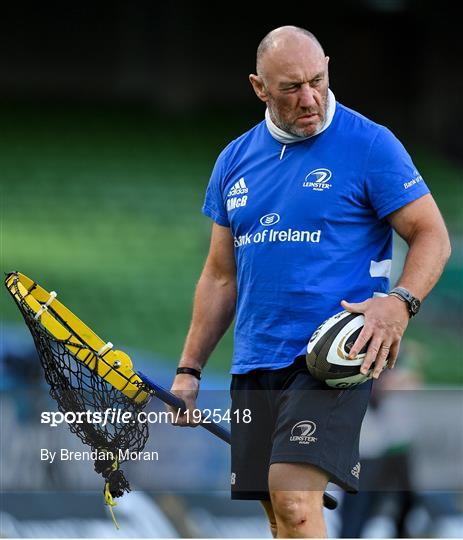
(415, 305)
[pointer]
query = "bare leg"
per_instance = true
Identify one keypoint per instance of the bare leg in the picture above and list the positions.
(271, 517)
(296, 491)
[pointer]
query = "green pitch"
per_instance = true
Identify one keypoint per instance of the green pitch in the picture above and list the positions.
(103, 206)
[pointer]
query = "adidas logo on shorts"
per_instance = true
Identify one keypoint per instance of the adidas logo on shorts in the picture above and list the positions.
(356, 470)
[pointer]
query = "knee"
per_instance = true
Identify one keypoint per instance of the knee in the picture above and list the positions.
(294, 510)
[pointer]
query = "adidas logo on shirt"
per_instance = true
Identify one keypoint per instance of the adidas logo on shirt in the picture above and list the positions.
(239, 188)
(237, 195)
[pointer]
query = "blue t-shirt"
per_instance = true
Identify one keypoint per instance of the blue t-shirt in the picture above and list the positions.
(309, 228)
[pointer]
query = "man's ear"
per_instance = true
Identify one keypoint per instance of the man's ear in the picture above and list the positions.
(259, 87)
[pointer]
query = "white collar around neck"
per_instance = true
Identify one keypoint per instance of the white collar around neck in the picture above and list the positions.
(287, 138)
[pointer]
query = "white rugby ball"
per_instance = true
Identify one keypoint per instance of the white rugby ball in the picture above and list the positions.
(329, 348)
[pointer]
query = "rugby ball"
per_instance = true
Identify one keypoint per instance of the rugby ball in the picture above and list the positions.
(329, 348)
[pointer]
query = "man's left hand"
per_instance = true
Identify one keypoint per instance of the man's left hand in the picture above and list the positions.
(386, 319)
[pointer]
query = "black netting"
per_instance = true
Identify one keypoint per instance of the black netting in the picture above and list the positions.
(76, 388)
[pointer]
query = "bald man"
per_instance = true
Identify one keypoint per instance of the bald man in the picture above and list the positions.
(304, 205)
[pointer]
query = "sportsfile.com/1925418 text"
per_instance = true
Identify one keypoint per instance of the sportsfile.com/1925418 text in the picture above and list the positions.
(118, 416)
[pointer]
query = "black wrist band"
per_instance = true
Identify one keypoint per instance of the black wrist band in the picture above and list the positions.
(189, 371)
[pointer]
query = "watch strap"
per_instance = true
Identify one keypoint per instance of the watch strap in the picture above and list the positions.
(403, 293)
(399, 296)
(406, 296)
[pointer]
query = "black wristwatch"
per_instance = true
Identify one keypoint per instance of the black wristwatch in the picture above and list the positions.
(406, 296)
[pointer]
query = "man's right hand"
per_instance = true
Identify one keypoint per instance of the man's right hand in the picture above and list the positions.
(186, 387)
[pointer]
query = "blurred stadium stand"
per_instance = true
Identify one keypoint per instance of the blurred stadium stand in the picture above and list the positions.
(397, 59)
(111, 117)
(81, 515)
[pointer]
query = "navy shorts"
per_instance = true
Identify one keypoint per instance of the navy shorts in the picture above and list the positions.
(294, 419)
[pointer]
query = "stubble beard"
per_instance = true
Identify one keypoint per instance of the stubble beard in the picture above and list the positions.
(293, 129)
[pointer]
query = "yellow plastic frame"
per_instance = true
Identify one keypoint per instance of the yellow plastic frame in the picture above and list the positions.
(114, 366)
